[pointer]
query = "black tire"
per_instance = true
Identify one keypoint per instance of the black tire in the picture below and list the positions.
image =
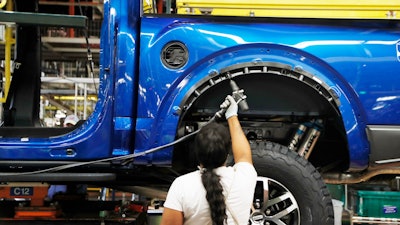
(307, 200)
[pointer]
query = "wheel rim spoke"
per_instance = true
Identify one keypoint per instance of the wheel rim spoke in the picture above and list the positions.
(279, 205)
(278, 199)
(278, 222)
(281, 214)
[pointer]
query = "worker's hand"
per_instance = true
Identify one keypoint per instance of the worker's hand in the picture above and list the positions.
(231, 107)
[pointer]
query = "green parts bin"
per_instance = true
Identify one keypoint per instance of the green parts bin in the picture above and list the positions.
(382, 204)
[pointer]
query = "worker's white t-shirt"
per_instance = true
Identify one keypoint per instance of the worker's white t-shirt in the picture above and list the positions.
(187, 194)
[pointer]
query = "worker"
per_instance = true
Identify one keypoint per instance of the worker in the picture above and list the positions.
(56, 189)
(215, 194)
(71, 120)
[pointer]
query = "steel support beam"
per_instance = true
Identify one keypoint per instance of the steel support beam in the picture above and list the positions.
(43, 19)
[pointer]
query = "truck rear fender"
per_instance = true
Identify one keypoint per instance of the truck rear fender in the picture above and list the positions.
(212, 74)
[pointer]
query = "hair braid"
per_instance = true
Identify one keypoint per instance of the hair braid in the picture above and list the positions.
(214, 196)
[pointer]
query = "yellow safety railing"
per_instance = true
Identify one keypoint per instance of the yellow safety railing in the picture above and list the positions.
(351, 9)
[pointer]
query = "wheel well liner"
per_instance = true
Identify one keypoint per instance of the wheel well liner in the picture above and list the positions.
(271, 88)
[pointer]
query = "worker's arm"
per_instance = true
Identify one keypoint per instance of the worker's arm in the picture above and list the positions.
(172, 217)
(240, 145)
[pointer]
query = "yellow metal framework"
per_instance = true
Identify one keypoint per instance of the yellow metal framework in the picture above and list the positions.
(149, 6)
(352, 9)
(9, 41)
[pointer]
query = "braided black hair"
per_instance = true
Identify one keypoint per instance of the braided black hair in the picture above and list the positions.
(212, 145)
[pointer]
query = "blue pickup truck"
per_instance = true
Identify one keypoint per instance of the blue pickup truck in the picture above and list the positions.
(323, 96)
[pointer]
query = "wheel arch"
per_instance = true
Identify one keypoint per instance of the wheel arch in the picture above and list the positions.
(208, 81)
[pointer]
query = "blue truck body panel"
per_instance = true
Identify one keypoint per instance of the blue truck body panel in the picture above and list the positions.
(140, 98)
(341, 56)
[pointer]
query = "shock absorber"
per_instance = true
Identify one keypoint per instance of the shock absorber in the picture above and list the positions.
(294, 143)
(311, 138)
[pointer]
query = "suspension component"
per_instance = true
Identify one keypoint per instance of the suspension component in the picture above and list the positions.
(311, 138)
(294, 143)
(305, 138)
